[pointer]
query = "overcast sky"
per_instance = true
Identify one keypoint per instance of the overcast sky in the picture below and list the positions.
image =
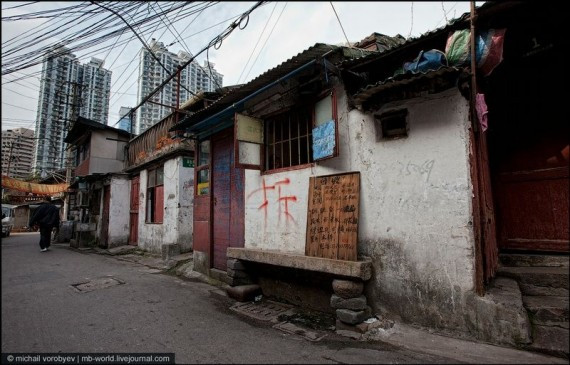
(291, 27)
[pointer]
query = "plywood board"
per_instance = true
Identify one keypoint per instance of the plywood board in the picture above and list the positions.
(332, 217)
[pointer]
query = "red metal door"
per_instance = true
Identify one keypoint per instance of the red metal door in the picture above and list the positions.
(105, 218)
(134, 213)
(227, 200)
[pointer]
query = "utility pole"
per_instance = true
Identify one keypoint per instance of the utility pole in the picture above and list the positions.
(10, 158)
(74, 115)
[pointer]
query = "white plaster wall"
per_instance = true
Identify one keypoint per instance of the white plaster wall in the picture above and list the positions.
(176, 227)
(185, 216)
(119, 211)
(415, 206)
(416, 210)
(274, 227)
(416, 191)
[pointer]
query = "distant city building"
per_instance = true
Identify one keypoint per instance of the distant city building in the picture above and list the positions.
(67, 90)
(151, 74)
(95, 91)
(17, 152)
(125, 121)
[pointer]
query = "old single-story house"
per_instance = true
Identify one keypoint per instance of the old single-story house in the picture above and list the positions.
(344, 168)
(99, 190)
(161, 169)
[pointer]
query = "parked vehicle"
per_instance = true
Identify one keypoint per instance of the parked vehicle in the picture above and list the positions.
(8, 214)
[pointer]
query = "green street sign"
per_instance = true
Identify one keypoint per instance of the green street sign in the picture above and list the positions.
(187, 162)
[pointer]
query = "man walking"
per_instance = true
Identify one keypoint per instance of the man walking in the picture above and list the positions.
(47, 217)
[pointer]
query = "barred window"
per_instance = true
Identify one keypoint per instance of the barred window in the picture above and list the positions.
(288, 139)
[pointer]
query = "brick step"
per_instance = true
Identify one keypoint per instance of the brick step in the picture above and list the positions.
(547, 310)
(526, 260)
(550, 340)
(530, 277)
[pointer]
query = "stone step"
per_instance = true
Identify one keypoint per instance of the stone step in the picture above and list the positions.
(529, 289)
(550, 340)
(547, 310)
(525, 260)
(548, 277)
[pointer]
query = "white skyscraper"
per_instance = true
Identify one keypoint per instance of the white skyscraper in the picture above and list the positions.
(95, 91)
(151, 74)
(17, 152)
(67, 90)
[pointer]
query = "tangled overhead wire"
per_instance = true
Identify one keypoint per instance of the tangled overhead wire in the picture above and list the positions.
(85, 26)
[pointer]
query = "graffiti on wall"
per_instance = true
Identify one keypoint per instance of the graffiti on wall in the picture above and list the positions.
(275, 194)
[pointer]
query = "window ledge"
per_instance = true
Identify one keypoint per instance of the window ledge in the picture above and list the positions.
(285, 169)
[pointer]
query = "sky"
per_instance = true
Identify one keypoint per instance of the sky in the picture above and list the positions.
(275, 32)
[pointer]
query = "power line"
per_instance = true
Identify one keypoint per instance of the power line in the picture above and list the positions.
(256, 43)
(412, 22)
(144, 44)
(19, 107)
(15, 92)
(444, 13)
(216, 42)
(91, 33)
(339, 22)
(18, 6)
(265, 42)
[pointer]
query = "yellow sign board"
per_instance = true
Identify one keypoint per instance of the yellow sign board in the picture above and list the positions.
(249, 129)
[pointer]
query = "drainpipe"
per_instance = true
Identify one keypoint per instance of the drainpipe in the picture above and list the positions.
(250, 96)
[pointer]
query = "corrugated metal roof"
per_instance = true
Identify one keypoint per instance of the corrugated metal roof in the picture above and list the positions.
(399, 80)
(239, 93)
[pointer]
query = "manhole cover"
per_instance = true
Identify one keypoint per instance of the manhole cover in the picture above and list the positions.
(265, 311)
(95, 284)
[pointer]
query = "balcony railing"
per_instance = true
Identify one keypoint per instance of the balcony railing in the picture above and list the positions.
(154, 141)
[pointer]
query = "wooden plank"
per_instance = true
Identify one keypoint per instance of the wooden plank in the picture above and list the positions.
(332, 217)
(348, 222)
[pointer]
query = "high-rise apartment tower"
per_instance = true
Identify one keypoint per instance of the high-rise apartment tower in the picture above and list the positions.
(193, 78)
(67, 89)
(17, 152)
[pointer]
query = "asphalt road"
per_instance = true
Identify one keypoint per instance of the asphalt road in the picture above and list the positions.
(148, 312)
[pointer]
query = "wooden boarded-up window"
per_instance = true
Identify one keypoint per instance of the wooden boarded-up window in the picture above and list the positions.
(332, 217)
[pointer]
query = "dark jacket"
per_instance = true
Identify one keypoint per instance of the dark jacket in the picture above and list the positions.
(46, 214)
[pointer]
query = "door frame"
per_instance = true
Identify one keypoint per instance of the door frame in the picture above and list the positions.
(106, 216)
(134, 206)
(237, 195)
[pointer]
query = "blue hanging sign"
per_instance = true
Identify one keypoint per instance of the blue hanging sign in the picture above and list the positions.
(324, 140)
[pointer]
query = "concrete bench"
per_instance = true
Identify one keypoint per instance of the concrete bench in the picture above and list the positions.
(346, 269)
(349, 276)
